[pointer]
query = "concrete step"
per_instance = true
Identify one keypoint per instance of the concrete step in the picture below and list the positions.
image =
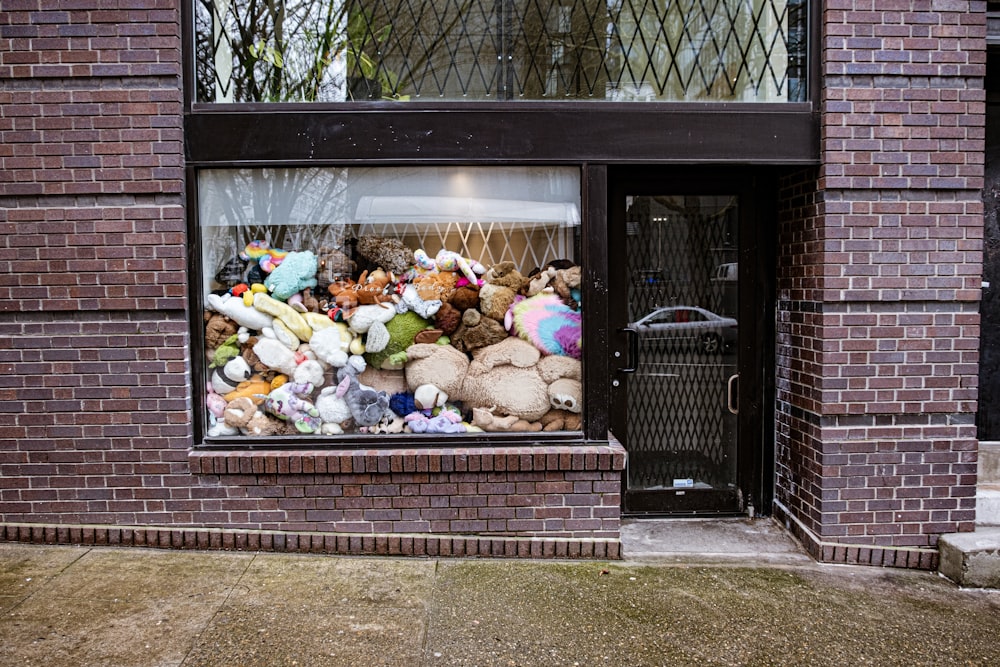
(988, 504)
(989, 462)
(972, 559)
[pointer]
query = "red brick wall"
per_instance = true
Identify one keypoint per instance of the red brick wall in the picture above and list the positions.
(95, 395)
(879, 281)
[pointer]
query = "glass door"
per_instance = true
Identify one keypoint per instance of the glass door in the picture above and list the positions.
(678, 348)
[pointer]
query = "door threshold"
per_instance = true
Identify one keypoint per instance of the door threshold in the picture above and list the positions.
(740, 539)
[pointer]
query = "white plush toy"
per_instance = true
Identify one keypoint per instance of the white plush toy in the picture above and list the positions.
(234, 308)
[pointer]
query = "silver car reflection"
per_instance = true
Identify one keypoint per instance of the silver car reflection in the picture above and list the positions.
(673, 327)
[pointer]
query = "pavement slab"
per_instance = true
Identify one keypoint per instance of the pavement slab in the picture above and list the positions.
(72, 606)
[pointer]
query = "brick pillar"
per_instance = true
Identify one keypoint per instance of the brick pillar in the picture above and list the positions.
(93, 324)
(879, 283)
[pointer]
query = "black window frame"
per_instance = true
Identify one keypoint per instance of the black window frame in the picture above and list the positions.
(593, 136)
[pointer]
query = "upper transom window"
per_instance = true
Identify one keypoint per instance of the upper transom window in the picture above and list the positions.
(501, 50)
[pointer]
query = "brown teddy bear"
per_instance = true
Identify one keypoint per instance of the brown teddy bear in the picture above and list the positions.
(487, 421)
(371, 287)
(448, 318)
(465, 297)
(218, 328)
(439, 285)
(476, 331)
(503, 282)
(561, 420)
(243, 414)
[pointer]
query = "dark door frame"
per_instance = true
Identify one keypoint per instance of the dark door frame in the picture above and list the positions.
(756, 187)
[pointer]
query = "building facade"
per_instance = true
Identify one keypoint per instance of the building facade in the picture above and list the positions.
(760, 223)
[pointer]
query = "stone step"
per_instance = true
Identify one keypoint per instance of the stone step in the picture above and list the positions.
(988, 504)
(972, 559)
(989, 462)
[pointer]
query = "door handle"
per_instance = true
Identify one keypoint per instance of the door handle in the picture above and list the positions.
(633, 349)
(731, 395)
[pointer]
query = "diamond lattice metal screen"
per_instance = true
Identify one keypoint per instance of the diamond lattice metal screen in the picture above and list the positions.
(482, 50)
(678, 424)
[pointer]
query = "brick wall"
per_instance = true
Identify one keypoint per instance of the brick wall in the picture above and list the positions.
(879, 282)
(95, 393)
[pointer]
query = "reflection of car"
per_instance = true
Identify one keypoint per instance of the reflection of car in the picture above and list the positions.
(675, 326)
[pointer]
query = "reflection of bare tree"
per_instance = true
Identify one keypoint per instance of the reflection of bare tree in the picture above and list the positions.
(294, 209)
(281, 49)
(335, 50)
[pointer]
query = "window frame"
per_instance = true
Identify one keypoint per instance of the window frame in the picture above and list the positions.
(593, 136)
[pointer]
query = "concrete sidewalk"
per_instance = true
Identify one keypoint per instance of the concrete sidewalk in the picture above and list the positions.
(105, 606)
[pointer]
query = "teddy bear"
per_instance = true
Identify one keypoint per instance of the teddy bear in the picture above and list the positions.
(476, 331)
(363, 317)
(465, 296)
(242, 413)
(229, 349)
(388, 253)
(435, 285)
(510, 377)
(331, 345)
(218, 328)
(502, 284)
(561, 278)
(215, 403)
(448, 318)
(561, 420)
(290, 403)
(372, 287)
(345, 295)
(489, 422)
(296, 272)
(567, 286)
(440, 365)
(539, 281)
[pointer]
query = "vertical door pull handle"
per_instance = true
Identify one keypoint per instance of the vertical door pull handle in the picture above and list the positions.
(732, 398)
(633, 349)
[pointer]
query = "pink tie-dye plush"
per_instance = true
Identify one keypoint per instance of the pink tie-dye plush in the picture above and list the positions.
(550, 325)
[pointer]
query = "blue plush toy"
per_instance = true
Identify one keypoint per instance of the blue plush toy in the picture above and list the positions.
(296, 272)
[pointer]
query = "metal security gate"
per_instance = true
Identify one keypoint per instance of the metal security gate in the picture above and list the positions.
(679, 354)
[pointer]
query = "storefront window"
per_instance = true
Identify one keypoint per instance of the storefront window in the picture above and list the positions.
(506, 50)
(438, 300)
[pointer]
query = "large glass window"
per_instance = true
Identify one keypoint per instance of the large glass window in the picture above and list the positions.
(388, 300)
(482, 50)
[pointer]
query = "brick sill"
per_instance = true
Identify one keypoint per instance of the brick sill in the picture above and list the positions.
(577, 456)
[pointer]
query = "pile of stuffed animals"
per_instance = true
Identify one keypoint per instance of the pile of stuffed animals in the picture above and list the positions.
(373, 337)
